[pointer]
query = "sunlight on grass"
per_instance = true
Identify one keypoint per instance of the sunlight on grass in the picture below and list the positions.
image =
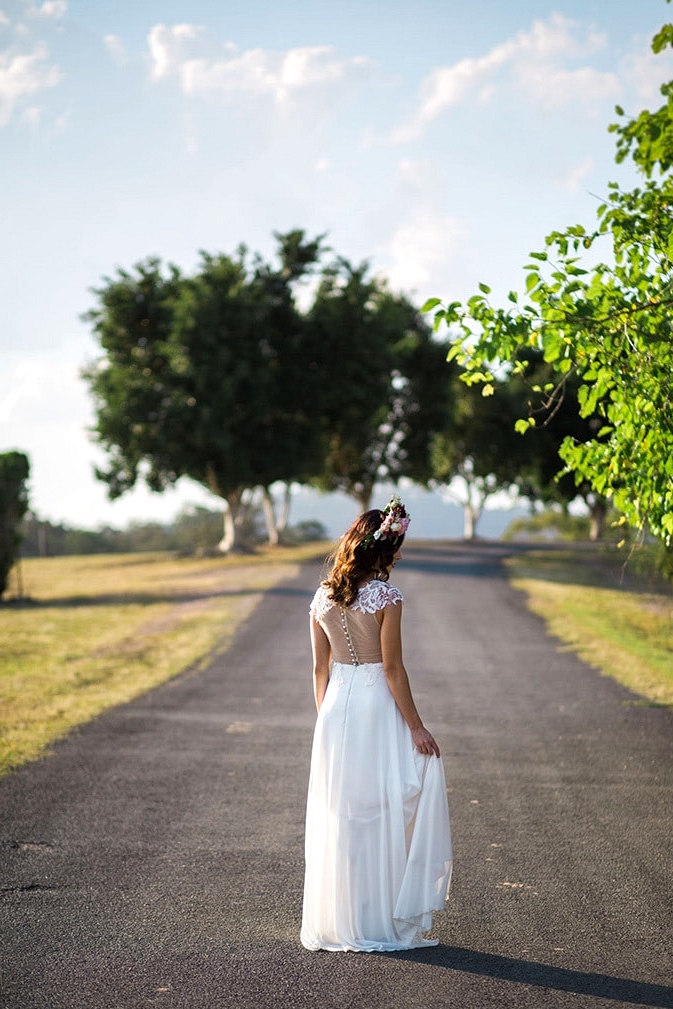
(624, 634)
(97, 631)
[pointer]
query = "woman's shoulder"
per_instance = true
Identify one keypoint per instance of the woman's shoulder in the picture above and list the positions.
(320, 603)
(375, 595)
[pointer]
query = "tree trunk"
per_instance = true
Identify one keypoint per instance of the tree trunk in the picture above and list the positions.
(270, 517)
(471, 514)
(475, 497)
(232, 520)
(284, 516)
(226, 544)
(599, 507)
(364, 498)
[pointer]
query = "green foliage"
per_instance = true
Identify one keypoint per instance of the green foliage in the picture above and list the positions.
(648, 138)
(538, 458)
(134, 383)
(14, 471)
(308, 531)
(607, 328)
(381, 383)
(549, 525)
(194, 530)
(205, 376)
(480, 441)
(220, 378)
(476, 444)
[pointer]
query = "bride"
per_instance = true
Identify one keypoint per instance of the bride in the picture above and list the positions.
(378, 844)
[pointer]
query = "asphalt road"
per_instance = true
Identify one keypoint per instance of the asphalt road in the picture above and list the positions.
(156, 858)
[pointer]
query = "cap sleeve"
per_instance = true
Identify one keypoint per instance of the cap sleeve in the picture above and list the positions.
(394, 595)
(320, 604)
(375, 596)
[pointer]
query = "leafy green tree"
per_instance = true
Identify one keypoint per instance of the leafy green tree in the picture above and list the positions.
(205, 377)
(134, 382)
(477, 453)
(14, 472)
(540, 476)
(480, 453)
(609, 325)
(296, 443)
(380, 390)
(244, 363)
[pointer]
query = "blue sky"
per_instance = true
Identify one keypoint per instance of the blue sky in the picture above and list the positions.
(440, 140)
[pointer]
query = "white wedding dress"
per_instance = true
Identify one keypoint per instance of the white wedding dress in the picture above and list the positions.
(378, 843)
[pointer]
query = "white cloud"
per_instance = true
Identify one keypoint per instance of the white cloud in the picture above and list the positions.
(116, 49)
(645, 72)
(53, 8)
(255, 72)
(551, 88)
(535, 61)
(168, 45)
(59, 125)
(4, 20)
(49, 9)
(321, 166)
(420, 250)
(413, 173)
(32, 115)
(261, 73)
(23, 74)
(573, 179)
(26, 383)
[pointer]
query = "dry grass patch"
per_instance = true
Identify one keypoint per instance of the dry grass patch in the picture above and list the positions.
(625, 634)
(97, 631)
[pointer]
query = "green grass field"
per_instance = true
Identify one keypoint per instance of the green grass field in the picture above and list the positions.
(624, 628)
(96, 631)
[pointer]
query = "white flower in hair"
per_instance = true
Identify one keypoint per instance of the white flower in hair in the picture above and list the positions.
(394, 524)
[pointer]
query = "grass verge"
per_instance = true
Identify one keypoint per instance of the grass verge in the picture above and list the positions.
(623, 630)
(97, 631)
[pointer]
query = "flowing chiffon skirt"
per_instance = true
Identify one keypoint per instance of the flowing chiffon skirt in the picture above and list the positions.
(378, 842)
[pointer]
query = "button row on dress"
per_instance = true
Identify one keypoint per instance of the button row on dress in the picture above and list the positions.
(348, 638)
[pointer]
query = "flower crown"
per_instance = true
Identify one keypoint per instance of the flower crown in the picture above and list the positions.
(394, 524)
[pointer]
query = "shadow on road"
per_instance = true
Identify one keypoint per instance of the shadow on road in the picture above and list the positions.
(542, 975)
(587, 564)
(473, 560)
(145, 598)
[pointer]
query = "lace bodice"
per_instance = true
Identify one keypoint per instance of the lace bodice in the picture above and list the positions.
(357, 622)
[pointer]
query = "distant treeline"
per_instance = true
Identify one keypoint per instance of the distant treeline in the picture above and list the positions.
(194, 530)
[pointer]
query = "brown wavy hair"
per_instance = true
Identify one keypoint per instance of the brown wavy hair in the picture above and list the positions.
(353, 562)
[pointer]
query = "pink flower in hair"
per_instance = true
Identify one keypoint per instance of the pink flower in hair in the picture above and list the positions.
(395, 520)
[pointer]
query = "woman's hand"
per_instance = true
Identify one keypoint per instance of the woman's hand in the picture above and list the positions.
(424, 742)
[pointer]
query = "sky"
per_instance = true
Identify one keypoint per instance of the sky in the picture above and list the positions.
(440, 141)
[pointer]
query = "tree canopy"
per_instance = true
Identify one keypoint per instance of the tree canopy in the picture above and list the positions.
(382, 387)
(219, 377)
(606, 327)
(204, 376)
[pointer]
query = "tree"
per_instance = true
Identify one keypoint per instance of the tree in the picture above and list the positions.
(204, 377)
(244, 353)
(380, 390)
(477, 452)
(540, 476)
(133, 384)
(14, 472)
(608, 326)
(296, 443)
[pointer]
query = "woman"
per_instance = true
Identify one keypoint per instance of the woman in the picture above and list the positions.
(378, 845)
